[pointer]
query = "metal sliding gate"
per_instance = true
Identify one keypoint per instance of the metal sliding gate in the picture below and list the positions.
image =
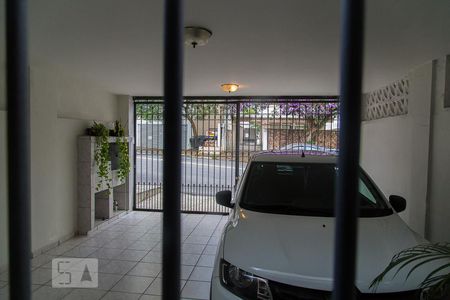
(219, 136)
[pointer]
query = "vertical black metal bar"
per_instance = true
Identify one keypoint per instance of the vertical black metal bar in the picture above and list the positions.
(135, 154)
(173, 101)
(347, 205)
(238, 138)
(18, 149)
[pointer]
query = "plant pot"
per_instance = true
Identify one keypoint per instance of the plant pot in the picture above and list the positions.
(90, 131)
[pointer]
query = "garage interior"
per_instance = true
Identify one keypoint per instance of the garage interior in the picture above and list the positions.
(90, 61)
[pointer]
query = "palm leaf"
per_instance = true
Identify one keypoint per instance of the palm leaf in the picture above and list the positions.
(419, 256)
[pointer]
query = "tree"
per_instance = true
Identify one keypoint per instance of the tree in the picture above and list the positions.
(191, 111)
(316, 116)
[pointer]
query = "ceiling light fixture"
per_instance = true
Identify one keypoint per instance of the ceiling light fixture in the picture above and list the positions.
(196, 36)
(229, 87)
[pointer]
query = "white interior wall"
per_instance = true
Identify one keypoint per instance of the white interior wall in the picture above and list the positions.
(394, 150)
(383, 152)
(62, 107)
(438, 228)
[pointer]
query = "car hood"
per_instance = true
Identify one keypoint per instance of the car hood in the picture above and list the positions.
(298, 250)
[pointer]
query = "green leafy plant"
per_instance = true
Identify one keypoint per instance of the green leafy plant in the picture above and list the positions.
(101, 153)
(124, 159)
(437, 282)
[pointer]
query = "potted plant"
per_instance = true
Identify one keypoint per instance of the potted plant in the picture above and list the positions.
(101, 153)
(123, 151)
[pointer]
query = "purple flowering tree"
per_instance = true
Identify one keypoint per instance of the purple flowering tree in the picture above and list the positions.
(315, 116)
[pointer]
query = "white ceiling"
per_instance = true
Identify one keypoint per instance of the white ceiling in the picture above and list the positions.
(277, 47)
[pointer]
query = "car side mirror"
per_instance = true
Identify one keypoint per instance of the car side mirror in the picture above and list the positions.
(224, 198)
(398, 203)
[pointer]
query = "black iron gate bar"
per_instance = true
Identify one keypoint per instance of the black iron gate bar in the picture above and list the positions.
(230, 131)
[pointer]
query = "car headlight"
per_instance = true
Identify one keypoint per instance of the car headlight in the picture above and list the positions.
(244, 284)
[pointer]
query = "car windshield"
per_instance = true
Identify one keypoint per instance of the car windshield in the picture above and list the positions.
(303, 189)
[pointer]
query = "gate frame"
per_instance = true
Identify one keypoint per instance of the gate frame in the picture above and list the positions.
(218, 100)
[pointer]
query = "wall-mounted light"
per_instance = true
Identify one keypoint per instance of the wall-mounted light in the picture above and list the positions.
(229, 87)
(196, 36)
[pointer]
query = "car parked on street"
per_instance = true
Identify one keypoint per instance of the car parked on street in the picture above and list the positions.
(279, 240)
(308, 148)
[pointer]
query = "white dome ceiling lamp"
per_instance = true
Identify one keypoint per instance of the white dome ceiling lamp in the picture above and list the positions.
(196, 36)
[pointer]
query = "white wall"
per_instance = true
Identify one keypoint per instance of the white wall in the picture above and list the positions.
(394, 150)
(61, 108)
(439, 181)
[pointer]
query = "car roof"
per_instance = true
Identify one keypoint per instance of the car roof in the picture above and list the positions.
(273, 156)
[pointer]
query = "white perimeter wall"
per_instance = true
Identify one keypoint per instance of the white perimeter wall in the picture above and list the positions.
(438, 225)
(409, 155)
(61, 108)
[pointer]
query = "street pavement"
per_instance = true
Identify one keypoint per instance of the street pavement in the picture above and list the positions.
(195, 170)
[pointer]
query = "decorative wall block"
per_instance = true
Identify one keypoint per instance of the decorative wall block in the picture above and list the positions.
(391, 100)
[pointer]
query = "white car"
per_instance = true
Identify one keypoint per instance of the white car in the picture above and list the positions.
(279, 240)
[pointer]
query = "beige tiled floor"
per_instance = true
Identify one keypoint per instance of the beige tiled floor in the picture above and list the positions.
(129, 254)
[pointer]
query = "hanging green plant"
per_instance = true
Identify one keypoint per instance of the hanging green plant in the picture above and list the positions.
(124, 159)
(101, 154)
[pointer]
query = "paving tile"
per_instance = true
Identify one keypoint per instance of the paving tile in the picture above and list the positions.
(189, 259)
(146, 269)
(214, 240)
(196, 290)
(156, 287)
(42, 259)
(35, 287)
(106, 253)
(201, 274)
(118, 244)
(153, 256)
(85, 294)
(117, 267)
(120, 296)
(49, 293)
(80, 251)
(132, 255)
(192, 248)
(41, 276)
(97, 242)
(206, 260)
(150, 297)
(197, 239)
(107, 281)
(143, 245)
(185, 272)
(210, 250)
(133, 284)
(59, 250)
